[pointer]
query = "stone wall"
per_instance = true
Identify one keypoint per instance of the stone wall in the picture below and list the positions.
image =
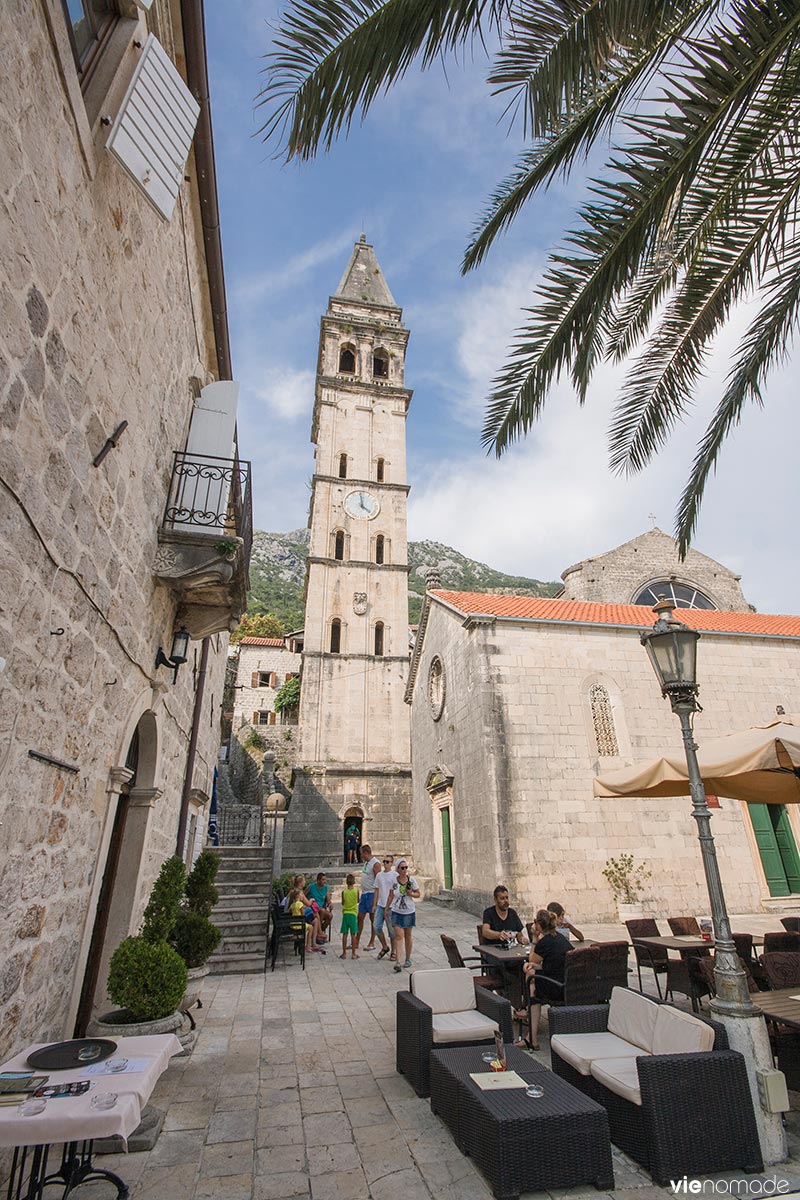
(252, 660)
(104, 317)
(618, 576)
(517, 737)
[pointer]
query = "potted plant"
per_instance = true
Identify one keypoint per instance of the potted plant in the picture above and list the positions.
(147, 977)
(626, 879)
(194, 936)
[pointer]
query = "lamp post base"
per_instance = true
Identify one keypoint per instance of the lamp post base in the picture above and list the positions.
(747, 1033)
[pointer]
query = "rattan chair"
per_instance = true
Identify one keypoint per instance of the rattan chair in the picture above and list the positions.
(782, 968)
(580, 986)
(788, 943)
(285, 928)
(791, 923)
(683, 926)
(456, 960)
(612, 968)
(674, 971)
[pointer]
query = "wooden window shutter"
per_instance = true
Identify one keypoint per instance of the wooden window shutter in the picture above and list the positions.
(255, 718)
(254, 679)
(153, 130)
(289, 676)
(272, 718)
(273, 680)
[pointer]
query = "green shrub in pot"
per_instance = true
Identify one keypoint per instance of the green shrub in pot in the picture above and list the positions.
(146, 979)
(165, 902)
(195, 937)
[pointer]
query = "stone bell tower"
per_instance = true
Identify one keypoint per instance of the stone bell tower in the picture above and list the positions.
(355, 727)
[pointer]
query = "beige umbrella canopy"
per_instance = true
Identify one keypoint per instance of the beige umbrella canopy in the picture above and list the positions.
(760, 765)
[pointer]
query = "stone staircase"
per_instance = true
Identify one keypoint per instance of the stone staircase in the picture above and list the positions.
(244, 882)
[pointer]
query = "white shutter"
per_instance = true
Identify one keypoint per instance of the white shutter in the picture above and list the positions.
(153, 130)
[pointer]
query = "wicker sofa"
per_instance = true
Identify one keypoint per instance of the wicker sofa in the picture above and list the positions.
(677, 1098)
(443, 1009)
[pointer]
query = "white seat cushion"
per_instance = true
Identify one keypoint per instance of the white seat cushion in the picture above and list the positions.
(462, 1027)
(632, 1017)
(580, 1049)
(677, 1032)
(447, 991)
(620, 1076)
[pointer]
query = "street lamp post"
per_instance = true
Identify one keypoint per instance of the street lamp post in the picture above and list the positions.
(672, 648)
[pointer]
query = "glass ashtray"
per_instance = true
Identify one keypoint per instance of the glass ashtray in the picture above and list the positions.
(104, 1100)
(32, 1107)
(534, 1091)
(115, 1065)
(89, 1053)
(489, 1056)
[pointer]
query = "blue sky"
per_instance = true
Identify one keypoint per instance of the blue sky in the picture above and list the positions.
(414, 178)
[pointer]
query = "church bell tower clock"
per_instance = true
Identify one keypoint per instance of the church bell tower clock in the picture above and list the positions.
(355, 726)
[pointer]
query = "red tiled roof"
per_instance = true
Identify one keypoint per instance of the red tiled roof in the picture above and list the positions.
(255, 641)
(540, 608)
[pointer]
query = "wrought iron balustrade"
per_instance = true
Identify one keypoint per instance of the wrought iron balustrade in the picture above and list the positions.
(243, 825)
(212, 494)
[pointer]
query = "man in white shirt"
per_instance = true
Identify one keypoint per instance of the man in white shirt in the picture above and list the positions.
(366, 902)
(384, 882)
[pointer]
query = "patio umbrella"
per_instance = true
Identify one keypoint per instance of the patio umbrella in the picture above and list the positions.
(760, 765)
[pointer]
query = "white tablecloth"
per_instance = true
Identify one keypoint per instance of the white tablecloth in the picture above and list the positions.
(72, 1118)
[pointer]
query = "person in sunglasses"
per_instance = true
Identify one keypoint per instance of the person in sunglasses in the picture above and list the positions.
(384, 882)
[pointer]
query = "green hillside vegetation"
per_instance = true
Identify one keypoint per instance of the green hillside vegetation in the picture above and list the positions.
(278, 567)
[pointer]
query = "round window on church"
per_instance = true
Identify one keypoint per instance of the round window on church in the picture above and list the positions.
(436, 687)
(683, 595)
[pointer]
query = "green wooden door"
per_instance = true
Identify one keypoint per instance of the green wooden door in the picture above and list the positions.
(447, 849)
(776, 847)
(786, 845)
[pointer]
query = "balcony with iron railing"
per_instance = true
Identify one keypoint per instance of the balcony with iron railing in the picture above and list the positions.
(205, 540)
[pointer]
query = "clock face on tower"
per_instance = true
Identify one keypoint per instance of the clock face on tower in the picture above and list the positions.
(362, 505)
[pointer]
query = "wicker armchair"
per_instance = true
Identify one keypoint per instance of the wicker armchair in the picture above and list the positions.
(415, 1023)
(612, 968)
(791, 923)
(788, 943)
(680, 926)
(457, 961)
(662, 1132)
(782, 968)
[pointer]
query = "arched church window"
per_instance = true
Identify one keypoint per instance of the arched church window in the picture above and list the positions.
(343, 466)
(336, 636)
(379, 639)
(683, 595)
(380, 364)
(338, 545)
(347, 360)
(380, 470)
(380, 546)
(605, 734)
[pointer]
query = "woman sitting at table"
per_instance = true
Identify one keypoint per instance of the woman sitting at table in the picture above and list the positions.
(544, 969)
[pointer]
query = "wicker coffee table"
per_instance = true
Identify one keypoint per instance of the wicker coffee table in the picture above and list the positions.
(522, 1144)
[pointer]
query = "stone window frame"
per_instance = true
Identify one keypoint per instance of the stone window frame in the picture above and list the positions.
(671, 582)
(110, 73)
(352, 349)
(380, 549)
(380, 470)
(380, 354)
(380, 633)
(337, 533)
(603, 723)
(436, 687)
(343, 464)
(623, 754)
(335, 620)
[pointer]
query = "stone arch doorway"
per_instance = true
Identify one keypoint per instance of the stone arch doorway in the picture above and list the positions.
(132, 794)
(353, 820)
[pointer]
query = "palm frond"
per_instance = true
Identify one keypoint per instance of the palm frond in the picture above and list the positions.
(334, 57)
(766, 344)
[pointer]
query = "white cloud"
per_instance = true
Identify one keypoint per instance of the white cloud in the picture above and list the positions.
(288, 275)
(286, 393)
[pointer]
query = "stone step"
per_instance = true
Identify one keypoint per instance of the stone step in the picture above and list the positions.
(445, 898)
(242, 945)
(242, 879)
(238, 899)
(236, 964)
(240, 928)
(236, 892)
(226, 852)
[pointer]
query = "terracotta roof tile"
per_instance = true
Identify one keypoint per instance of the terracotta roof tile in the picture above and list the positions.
(540, 608)
(257, 641)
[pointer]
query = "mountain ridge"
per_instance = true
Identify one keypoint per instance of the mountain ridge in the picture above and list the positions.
(278, 568)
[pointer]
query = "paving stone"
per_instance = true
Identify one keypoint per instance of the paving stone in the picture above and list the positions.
(369, 1136)
(320, 1100)
(278, 1160)
(401, 1184)
(323, 1159)
(235, 1103)
(369, 1111)
(239, 1084)
(232, 1187)
(386, 1158)
(193, 1114)
(281, 1187)
(270, 1135)
(281, 1114)
(234, 1126)
(359, 1086)
(227, 1158)
(156, 1183)
(182, 1146)
(329, 1129)
(340, 1185)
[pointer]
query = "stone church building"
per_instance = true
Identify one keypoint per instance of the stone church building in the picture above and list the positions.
(116, 400)
(518, 702)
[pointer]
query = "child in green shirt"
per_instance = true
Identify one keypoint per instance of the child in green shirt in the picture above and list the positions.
(349, 916)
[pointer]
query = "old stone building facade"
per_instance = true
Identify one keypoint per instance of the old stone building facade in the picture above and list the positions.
(264, 665)
(112, 331)
(354, 727)
(518, 702)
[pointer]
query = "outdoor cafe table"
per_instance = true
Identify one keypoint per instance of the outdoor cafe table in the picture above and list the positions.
(782, 1006)
(511, 960)
(72, 1121)
(685, 941)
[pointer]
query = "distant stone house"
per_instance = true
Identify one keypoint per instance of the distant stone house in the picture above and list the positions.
(518, 702)
(124, 507)
(265, 664)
